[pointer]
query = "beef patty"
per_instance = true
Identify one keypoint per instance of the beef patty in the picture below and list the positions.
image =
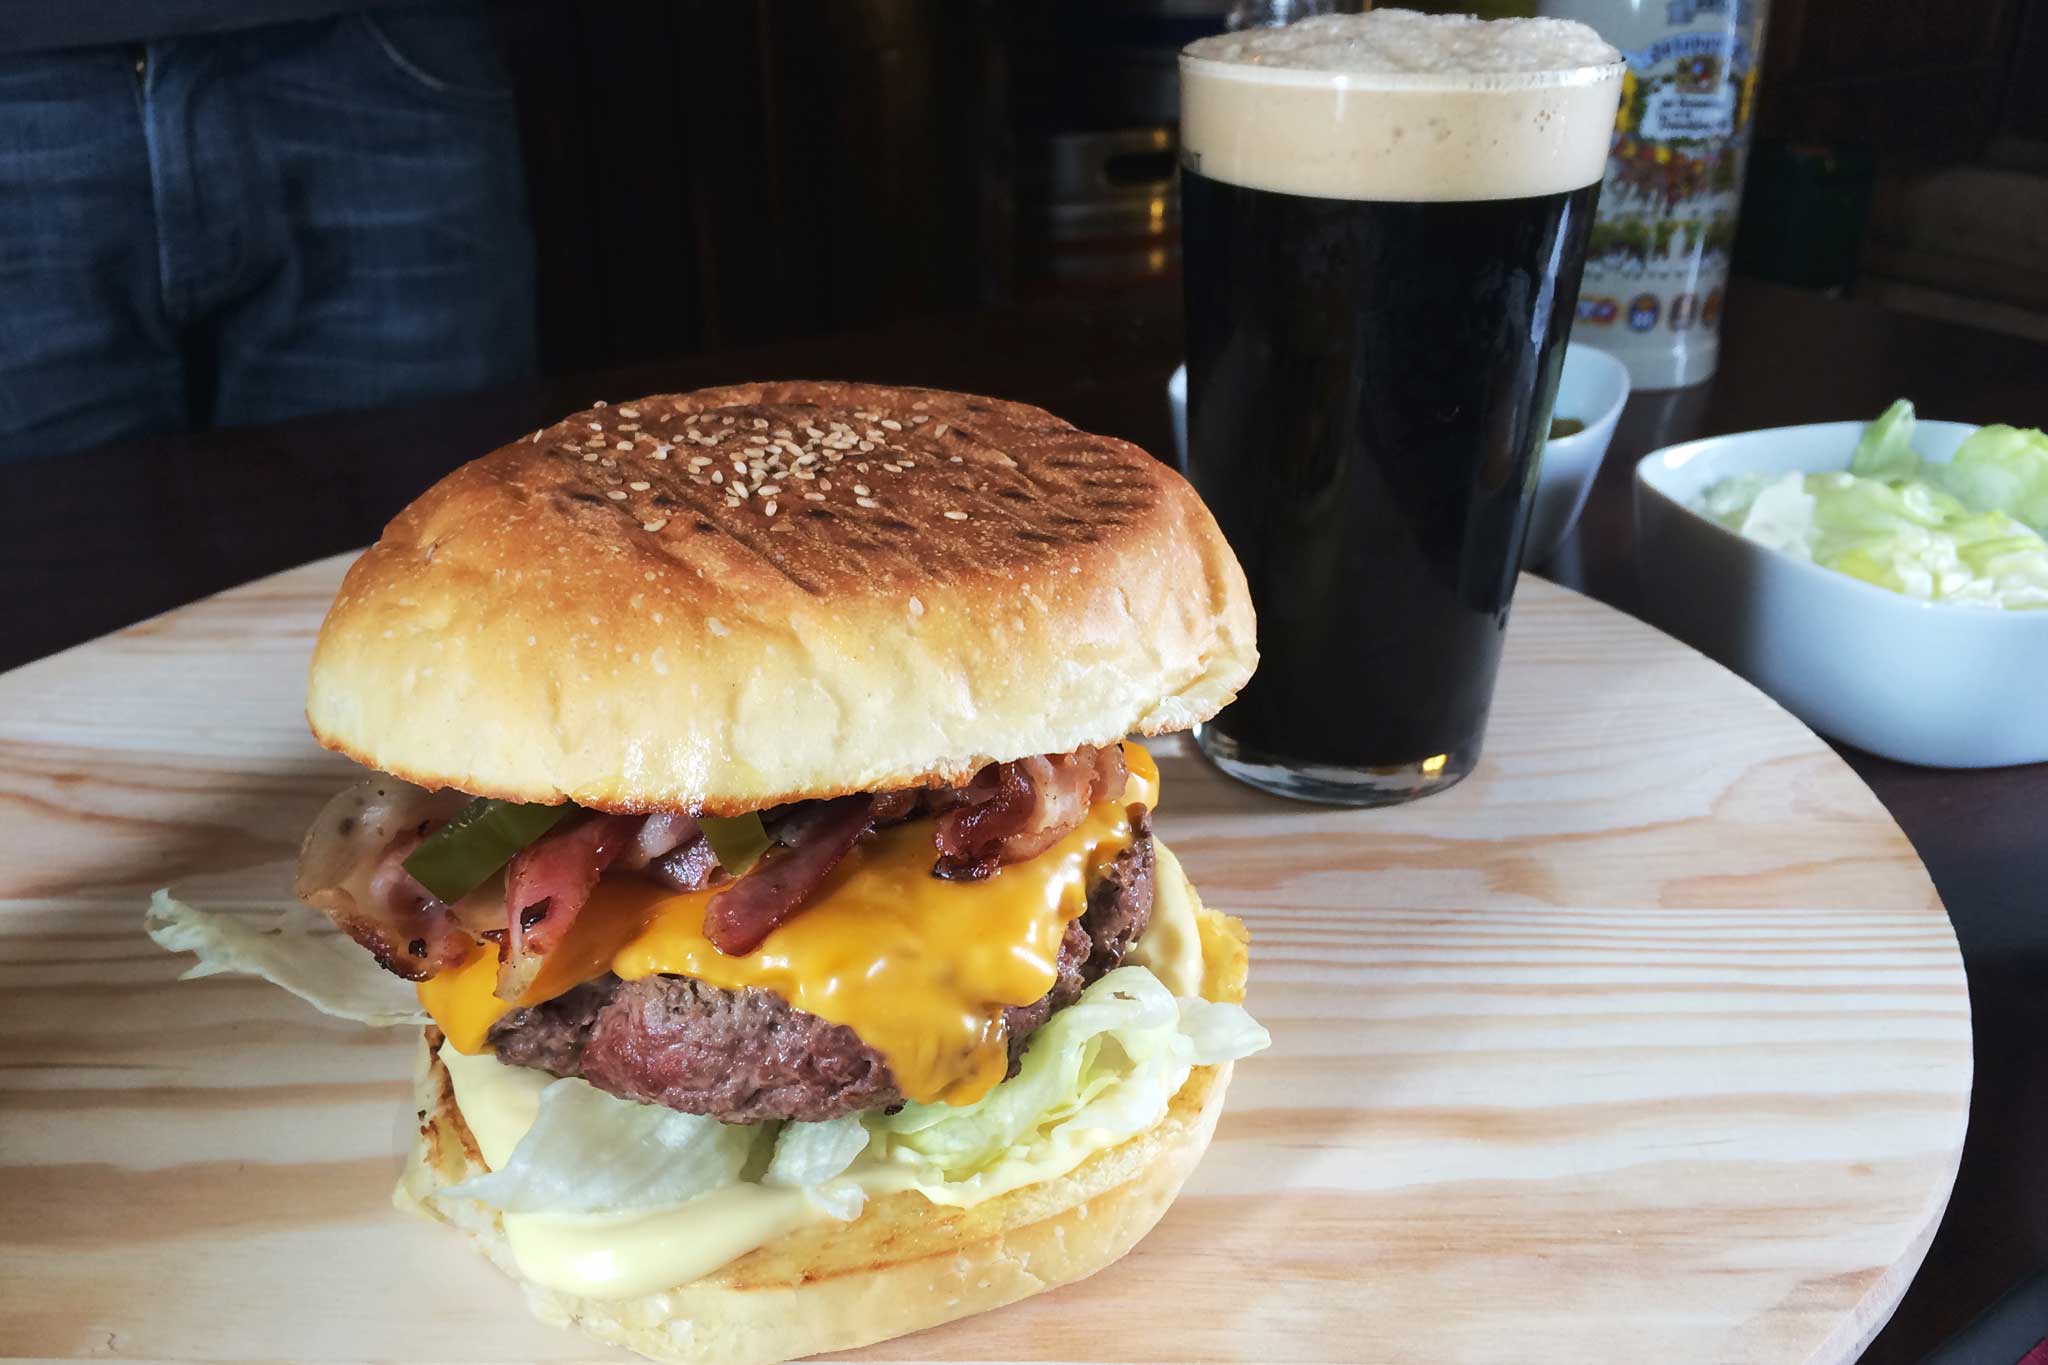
(748, 1055)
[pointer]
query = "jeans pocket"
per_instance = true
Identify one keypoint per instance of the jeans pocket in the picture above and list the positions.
(445, 50)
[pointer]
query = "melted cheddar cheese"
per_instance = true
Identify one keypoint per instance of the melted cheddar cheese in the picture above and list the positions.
(919, 967)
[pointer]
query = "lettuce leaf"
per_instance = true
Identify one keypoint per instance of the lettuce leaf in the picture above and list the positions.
(1964, 532)
(2001, 469)
(590, 1152)
(1886, 449)
(1099, 1071)
(298, 949)
(813, 1153)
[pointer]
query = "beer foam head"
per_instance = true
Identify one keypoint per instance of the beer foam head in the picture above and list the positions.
(1395, 105)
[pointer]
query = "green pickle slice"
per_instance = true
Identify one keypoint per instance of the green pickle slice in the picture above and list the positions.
(470, 849)
(738, 841)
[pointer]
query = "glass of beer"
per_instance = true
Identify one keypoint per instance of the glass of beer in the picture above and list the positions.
(1384, 217)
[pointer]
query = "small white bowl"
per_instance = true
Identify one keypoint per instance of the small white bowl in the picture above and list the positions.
(1937, 684)
(1593, 388)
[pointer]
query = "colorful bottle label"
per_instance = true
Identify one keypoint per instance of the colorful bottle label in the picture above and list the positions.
(1657, 262)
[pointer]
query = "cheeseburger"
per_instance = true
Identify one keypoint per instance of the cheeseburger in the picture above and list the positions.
(749, 805)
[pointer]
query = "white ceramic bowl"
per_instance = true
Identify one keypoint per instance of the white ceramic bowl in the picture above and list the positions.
(1593, 388)
(1941, 685)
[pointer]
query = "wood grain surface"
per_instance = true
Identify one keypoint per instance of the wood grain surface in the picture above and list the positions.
(1650, 1042)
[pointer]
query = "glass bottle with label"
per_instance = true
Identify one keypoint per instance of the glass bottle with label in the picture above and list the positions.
(1657, 266)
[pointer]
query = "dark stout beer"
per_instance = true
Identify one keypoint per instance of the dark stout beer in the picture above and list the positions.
(1375, 330)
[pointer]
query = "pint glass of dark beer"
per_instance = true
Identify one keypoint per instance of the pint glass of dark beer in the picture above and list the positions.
(1383, 216)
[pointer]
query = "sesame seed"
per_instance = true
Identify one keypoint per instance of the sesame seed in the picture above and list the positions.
(649, 575)
(814, 497)
(771, 489)
(598, 404)
(597, 426)
(891, 424)
(956, 516)
(942, 428)
(861, 489)
(954, 460)
(920, 420)
(629, 412)
(628, 426)
(590, 457)
(616, 495)
(760, 423)
(769, 507)
(921, 404)
(639, 485)
(654, 525)
(916, 606)
(623, 445)
(661, 452)
(718, 476)
(535, 438)
(825, 484)
(781, 433)
(867, 502)
(867, 445)
(814, 433)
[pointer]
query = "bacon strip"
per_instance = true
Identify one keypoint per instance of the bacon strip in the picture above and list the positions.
(352, 866)
(547, 884)
(692, 867)
(738, 919)
(353, 862)
(1012, 812)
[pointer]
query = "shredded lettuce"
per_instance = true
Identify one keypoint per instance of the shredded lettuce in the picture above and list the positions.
(1966, 532)
(297, 949)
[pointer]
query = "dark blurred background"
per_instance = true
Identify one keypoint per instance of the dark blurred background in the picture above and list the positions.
(711, 174)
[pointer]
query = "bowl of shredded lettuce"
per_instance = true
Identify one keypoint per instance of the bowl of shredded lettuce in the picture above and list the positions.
(1886, 581)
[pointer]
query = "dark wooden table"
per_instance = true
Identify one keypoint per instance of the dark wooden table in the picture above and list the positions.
(95, 541)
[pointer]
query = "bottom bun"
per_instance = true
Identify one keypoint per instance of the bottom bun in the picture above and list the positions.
(904, 1264)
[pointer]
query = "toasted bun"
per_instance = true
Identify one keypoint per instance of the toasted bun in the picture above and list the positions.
(904, 1264)
(594, 613)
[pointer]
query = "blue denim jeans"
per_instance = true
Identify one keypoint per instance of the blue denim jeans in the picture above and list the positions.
(241, 227)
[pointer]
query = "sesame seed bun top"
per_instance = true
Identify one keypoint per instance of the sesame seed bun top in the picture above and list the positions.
(722, 600)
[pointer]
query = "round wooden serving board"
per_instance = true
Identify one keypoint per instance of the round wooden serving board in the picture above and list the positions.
(1648, 1043)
